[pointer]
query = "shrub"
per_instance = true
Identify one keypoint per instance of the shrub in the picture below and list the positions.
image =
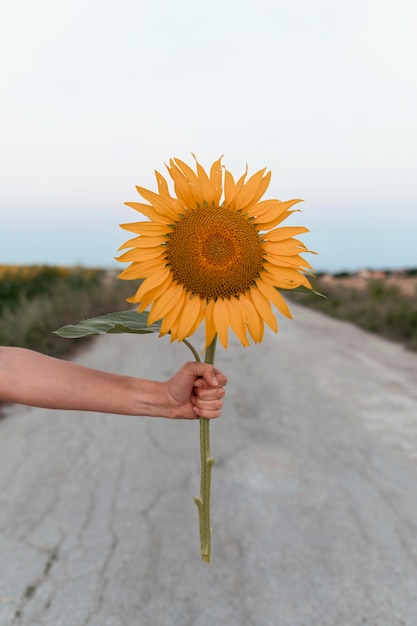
(380, 309)
(37, 301)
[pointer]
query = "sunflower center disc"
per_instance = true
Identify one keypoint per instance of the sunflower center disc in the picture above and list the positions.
(214, 252)
(218, 249)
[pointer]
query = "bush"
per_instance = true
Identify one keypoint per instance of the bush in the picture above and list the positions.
(380, 309)
(36, 301)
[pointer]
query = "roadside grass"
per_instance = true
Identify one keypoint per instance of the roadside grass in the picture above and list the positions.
(35, 301)
(379, 308)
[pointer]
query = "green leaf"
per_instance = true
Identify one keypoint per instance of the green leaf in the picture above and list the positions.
(119, 322)
(317, 293)
(303, 289)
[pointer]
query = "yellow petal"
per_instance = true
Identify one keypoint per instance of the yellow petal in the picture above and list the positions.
(147, 298)
(216, 181)
(275, 297)
(206, 191)
(169, 319)
(307, 283)
(145, 242)
(285, 232)
(195, 188)
(288, 247)
(263, 186)
(279, 274)
(285, 279)
(254, 322)
(143, 255)
(257, 209)
(204, 182)
(252, 190)
(229, 188)
(149, 211)
(182, 186)
(187, 171)
(200, 316)
(129, 244)
(237, 320)
(210, 327)
(270, 209)
(162, 204)
(147, 228)
(131, 273)
(264, 308)
(163, 187)
(151, 266)
(190, 314)
(238, 188)
(294, 262)
(176, 324)
(154, 281)
(221, 321)
(274, 221)
(165, 303)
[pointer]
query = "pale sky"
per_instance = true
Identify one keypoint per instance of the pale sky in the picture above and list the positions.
(95, 95)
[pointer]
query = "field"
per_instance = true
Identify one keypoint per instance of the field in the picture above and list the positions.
(405, 285)
(36, 300)
(386, 306)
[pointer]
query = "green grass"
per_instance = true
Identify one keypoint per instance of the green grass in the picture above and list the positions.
(36, 301)
(380, 308)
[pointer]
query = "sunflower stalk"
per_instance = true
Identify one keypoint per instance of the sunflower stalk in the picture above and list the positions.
(207, 462)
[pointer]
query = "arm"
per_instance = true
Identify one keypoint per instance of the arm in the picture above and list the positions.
(31, 378)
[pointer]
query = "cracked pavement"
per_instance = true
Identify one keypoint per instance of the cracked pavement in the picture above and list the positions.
(314, 510)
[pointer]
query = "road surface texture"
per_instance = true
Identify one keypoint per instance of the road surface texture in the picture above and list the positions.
(314, 507)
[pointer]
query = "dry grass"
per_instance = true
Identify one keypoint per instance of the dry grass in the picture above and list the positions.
(407, 285)
(35, 301)
(387, 306)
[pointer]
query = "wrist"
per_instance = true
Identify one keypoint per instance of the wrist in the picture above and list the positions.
(151, 399)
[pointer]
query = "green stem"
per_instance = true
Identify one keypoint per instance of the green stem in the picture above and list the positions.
(193, 350)
(207, 462)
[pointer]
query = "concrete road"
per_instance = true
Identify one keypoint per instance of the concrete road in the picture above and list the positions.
(314, 508)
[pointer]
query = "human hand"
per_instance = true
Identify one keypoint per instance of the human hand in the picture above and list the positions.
(196, 390)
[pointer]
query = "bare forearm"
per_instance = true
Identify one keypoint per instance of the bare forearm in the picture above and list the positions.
(27, 377)
(31, 378)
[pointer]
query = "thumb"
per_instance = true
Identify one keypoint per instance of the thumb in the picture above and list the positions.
(207, 373)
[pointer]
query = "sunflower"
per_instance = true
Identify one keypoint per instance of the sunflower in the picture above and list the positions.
(212, 252)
